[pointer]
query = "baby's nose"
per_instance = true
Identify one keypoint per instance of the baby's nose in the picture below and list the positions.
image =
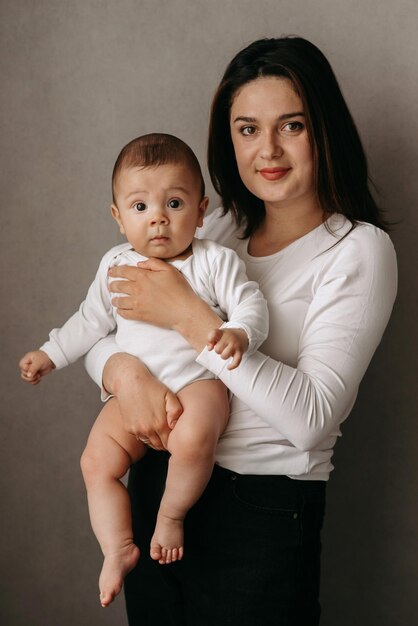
(159, 218)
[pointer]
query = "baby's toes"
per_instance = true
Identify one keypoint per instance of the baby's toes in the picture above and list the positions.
(163, 556)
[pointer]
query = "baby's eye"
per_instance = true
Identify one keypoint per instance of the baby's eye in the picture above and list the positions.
(174, 203)
(140, 206)
(248, 130)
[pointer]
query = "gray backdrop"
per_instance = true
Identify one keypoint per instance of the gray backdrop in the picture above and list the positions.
(79, 79)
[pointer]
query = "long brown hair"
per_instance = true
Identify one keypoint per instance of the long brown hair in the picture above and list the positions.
(340, 167)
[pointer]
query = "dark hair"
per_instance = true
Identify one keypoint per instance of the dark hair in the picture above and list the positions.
(153, 150)
(340, 167)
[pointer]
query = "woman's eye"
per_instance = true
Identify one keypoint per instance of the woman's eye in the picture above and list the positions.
(293, 126)
(140, 206)
(175, 203)
(247, 131)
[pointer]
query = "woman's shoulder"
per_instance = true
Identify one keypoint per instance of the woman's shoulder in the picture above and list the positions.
(360, 238)
(361, 252)
(221, 228)
(370, 241)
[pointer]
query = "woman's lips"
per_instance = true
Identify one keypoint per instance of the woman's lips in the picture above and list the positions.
(274, 173)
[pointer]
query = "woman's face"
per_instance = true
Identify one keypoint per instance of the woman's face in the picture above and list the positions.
(271, 143)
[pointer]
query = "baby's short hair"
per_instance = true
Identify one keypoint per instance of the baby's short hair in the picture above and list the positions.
(153, 150)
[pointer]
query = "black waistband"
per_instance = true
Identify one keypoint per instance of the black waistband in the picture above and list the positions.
(273, 480)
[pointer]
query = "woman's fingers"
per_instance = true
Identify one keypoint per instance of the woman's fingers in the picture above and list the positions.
(173, 409)
(132, 275)
(156, 443)
(122, 286)
(123, 302)
(153, 264)
(124, 271)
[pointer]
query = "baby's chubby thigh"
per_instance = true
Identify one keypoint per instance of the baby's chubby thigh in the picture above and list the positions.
(204, 418)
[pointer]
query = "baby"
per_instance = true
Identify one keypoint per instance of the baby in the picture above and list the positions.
(158, 202)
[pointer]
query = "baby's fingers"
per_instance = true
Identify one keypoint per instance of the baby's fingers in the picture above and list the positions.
(34, 365)
(29, 377)
(27, 368)
(213, 337)
(236, 360)
(225, 349)
(25, 362)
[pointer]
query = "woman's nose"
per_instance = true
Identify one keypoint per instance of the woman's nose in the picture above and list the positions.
(271, 146)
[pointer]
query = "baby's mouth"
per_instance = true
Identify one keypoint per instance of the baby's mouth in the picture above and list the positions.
(159, 238)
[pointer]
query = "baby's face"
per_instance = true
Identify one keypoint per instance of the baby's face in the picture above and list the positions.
(158, 209)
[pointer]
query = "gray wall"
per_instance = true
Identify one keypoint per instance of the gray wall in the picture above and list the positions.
(79, 79)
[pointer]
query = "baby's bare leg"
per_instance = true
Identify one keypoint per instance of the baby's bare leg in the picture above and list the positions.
(108, 455)
(192, 446)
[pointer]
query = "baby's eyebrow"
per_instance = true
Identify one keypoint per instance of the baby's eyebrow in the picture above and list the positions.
(144, 192)
(179, 188)
(137, 192)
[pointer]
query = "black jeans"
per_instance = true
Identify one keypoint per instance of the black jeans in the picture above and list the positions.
(252, 552)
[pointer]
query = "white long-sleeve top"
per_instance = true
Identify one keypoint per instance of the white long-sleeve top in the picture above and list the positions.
(215, 273)
(330, 295)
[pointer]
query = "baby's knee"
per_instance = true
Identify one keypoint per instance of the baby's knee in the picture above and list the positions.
(91, 464)
(193, 447)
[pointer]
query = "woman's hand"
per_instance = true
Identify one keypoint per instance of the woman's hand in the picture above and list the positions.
(149, 409)
(157, 293)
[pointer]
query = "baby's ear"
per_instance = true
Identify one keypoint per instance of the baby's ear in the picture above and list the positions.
(116, 216)
(202, 210)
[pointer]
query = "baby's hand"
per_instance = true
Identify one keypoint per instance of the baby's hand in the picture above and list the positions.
(228, 342)
(34, 365)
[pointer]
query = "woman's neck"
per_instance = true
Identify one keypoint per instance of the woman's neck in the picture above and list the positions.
(282, 226)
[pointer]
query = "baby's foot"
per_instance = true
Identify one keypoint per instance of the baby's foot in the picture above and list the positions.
(115, 567)
(167, 540)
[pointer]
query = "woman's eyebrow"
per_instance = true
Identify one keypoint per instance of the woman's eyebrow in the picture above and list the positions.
(281, 118)
(241, 118)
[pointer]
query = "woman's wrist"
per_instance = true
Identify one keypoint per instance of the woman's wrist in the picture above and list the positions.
(196, 322)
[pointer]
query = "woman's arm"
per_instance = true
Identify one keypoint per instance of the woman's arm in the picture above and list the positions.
(149, 409)
(343, 326)
(157, 293)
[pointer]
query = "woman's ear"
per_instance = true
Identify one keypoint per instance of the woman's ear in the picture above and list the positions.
(116, 216)
(202, 210)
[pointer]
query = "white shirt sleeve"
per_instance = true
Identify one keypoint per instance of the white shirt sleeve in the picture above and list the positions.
(239, 297)
(345, 321)
(93, 320)
(96, 359)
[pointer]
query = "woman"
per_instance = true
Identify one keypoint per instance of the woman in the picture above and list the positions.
(286, 159)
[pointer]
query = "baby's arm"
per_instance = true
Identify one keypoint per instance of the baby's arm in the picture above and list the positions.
(229, 342)
(35, 365)
(81, 331)
(244, 305)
